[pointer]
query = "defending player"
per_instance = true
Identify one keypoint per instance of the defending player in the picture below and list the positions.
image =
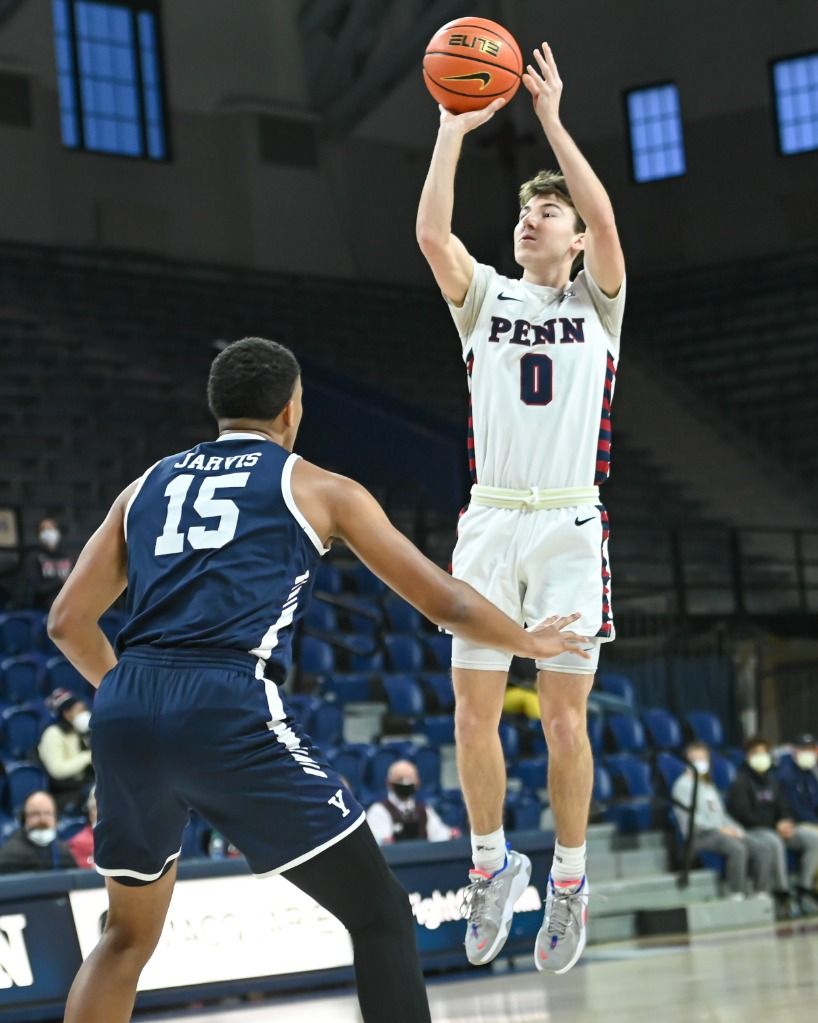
(541, 355)
(218, 547)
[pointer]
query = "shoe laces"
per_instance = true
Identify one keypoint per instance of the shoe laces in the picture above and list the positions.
(566, 908)
(476, 898)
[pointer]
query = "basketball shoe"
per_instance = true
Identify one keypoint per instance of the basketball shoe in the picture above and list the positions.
(488, 905)
(562, 936)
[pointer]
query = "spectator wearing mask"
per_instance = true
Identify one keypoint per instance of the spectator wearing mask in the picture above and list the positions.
(402, 816)
(799, 782)
(715, 831)
(757, 802)
(82, 844)
(64, 752)
(45, 567)
(34, 846)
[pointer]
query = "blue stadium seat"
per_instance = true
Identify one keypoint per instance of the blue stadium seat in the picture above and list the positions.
(596, 732)
(662, 728)
(438, 729)
(533, 737)
(367, 661)
(326, 724)
(404, 653)
(603, 787)
(349, 687)
(61, 674)
(402, 618)
(195, 838)
(439, 647)
(379, 763)
(367, 584)
(316, 657)
(532, 772)
(21, 678)
(734, 754)
(328, 579)
(669, 769)
(427, 761)
(404, 695)
(320, 616)
(510, 740)
(706, 727)
(21, 731)
(21, 780)
(69, 826)
(352, 761)
(616, 685)
(626, 733)
(451, 808)
(722, 771)
(302, 707)
(522, 811)
(631, 774)
(18, 631)
(362, 625)
(632, 809)
(439, 691)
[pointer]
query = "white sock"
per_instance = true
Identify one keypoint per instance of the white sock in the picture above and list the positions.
(489, 851)
(569, 864)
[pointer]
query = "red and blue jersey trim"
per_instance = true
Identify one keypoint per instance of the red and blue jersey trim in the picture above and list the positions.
(607, 615)
(603, 449)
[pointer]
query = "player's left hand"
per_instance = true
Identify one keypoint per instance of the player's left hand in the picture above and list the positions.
(545, 86)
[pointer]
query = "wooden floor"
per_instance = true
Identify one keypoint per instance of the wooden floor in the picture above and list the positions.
(753, 975)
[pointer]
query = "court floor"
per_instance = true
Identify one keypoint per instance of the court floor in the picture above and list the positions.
(765, 974)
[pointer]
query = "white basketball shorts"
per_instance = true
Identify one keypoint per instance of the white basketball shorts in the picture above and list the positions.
(532, 564)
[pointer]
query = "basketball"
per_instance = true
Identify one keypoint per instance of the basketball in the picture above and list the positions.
(470, 62)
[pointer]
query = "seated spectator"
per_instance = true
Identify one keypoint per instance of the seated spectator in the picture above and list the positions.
(799, 781)
(45, 568)
(64, 752)
(715, 831)
(757, 802)
(82, 844)
(34, 846)
(521, 696)
(401, 816)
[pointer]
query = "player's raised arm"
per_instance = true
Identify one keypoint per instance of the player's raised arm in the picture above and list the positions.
(98, 578)
(339, 507)
(603, 252)
(445, 253)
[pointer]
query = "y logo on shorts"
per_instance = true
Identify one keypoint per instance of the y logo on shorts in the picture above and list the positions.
(338, 800)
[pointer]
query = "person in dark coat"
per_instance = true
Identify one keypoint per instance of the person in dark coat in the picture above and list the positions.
(756, 800)
(35, 846)
(799, 781)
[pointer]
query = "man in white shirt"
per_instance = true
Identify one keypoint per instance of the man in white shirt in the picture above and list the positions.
(402, 816)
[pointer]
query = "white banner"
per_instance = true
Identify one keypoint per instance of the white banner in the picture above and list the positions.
(229, 928)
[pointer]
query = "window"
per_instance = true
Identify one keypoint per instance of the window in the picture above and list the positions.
(110, 78)
(657, 143)
(795, 84)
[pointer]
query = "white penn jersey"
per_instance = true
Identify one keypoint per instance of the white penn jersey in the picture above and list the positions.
(541, 364)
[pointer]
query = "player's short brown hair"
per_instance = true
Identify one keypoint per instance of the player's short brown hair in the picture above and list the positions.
(546, 182)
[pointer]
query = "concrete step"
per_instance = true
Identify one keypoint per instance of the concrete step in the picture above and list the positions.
(652, 891)
(723, 914)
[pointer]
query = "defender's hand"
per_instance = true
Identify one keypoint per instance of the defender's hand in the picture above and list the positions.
(471, 119)
(550, 639)
(545, 86)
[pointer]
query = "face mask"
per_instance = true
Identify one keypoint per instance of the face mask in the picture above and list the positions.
(760, 762)
(403, 790)
(702, 766)
(42, 836)
(806, 759)
(50, 537)
(82, 722)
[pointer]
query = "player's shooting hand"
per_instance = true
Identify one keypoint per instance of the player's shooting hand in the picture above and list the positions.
(545, 85)
(471, 119)
(550, 638)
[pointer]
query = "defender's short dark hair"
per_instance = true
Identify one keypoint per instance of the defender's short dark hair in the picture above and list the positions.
(753, 741)
(251, 379)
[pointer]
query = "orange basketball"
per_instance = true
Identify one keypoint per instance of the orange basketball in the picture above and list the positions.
(470, 62)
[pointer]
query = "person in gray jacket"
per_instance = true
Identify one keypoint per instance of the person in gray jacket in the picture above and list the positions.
(715, 831)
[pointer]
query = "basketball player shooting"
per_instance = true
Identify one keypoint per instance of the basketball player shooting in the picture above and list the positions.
(541, 355)
(219, 547)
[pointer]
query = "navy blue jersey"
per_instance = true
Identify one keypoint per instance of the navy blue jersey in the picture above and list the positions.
(219, 555)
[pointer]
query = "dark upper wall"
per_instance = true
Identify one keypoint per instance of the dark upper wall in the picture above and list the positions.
(352, 214)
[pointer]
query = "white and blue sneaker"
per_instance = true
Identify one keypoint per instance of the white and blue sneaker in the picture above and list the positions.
(562, 937)
(488, 905)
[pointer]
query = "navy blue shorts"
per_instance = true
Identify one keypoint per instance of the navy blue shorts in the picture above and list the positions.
(173, 731)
